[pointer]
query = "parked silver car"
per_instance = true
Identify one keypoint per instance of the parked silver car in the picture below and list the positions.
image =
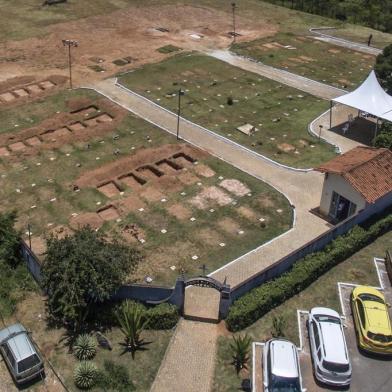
(20, 354)
(331, 362)
(281, 371)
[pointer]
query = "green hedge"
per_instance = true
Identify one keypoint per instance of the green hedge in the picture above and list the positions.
(257, 302)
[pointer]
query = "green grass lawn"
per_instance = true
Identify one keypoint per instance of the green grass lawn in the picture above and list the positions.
(358, 268)
(51, 202)
(280, 114)
(311, 58)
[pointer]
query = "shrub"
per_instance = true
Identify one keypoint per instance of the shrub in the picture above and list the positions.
(257, 302)
(85, 347)
(115, 377)
(85, 375)
(163, 316)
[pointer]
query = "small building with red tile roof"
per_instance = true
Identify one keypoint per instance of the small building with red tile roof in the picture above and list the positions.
(355, 180)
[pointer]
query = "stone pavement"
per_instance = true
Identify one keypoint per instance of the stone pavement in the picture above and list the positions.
(309, 86)
(340, 115)
(188, 365)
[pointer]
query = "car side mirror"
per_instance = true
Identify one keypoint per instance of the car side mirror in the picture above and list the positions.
(345, 326)
(343, 317)
(388, 304)
(265, 384)
(304, 390)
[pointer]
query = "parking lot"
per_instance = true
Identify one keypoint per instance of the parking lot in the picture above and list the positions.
(369, 374)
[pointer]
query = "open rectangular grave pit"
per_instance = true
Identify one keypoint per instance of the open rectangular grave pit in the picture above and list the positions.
(108, 212)
(53, 133)
(168, 166)
(150, 171)
(132, 180)
(4, 152)
(47, 84)
(77, 126)
(86, 110)
(183, 159)
(33, 141)
(109, 189)
(18, 146)
(21, 92)
(34, 89)
(104, 117)
(7, 97)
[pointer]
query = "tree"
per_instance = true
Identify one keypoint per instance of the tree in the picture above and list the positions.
(384, 138)
(83, 270)
(383, 68)
(240, 347)
(132, 323)
(9, 239)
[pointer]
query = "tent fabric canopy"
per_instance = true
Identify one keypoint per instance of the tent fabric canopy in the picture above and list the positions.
(369, 97)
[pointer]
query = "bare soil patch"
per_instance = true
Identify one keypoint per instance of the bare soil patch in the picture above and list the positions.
(129, 204)
(229, 225)
(211, 194)
(209, 237)
(235, 186)
(111, 40)
(86, 219)
(179, 211)
(286, 147)
(246, 212)
(109, 189)
(152, 194)
(204, 171)
(108, 212)
(188, 178)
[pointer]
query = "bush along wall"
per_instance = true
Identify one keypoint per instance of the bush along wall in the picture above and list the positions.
(259, 301)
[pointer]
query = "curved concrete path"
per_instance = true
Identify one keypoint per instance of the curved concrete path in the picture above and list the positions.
(299, 82)
(343, 42)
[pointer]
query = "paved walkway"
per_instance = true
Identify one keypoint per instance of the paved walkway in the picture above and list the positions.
(309, 86)
(189, 362)
(322, 35)
(340, 115)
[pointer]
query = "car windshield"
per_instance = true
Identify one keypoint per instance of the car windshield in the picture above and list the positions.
(281, 384)
(336, 367)
(327, 319)
(370, 297)
(379, 337)
(28, 363)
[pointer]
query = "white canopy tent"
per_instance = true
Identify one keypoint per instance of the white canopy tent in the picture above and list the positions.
(369, 97)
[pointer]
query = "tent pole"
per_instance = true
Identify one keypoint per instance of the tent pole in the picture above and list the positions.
(330, 114)
(376, 130)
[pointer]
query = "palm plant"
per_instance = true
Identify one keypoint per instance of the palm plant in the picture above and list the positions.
(85, 347)
(132, 323)
(240, 347)
(278, 327)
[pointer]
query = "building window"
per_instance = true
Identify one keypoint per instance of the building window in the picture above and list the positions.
(341, 208)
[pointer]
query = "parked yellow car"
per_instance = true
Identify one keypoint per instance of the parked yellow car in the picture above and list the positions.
(372, 321)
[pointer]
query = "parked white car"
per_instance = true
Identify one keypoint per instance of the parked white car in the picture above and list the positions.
(331, 362)
(281, 370)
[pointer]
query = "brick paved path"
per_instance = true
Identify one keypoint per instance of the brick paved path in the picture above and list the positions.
(188, 365)
(313, 87)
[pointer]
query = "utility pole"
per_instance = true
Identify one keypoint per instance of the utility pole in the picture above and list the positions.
(233, 7)
(70, 43)
(180, 93)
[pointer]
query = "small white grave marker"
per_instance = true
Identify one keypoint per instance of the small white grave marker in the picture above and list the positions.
(195, 257)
